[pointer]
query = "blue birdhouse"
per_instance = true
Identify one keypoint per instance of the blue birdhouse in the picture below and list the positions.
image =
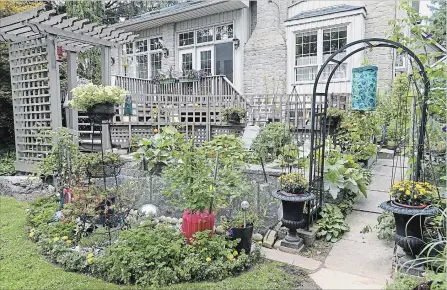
(364, 88)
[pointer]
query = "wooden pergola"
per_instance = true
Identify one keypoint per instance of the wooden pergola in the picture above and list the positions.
(33, 38)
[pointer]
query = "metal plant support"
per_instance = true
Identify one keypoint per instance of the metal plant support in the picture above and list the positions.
(318, 118)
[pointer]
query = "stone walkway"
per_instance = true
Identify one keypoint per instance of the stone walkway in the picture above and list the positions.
(357, 261)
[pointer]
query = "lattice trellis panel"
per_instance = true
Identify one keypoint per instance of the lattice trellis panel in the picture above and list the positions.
(32, 100)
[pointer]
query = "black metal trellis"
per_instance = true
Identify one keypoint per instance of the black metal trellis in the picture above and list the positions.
(318, 118)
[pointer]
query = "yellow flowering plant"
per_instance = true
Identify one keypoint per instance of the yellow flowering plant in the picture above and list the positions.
(293, 183)
(413, 193)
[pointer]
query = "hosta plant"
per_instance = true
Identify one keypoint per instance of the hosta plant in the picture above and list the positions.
(87, 96)
(332, 224)
(293, 183)
(386, 226)
(413, 193)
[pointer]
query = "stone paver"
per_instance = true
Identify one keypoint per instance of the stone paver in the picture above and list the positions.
(296, 260)
(361, 258)
(380, 183)
(372, 202)
(330, 279)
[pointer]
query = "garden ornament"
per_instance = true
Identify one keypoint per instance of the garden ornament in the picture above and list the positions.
(245, 205)
(149, 210)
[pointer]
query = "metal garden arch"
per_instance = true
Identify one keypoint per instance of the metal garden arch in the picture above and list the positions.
(316, 169)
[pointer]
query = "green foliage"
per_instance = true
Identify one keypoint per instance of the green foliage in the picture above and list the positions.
(191, 183)
(386, 226)
(403, 281)
(134, 143)
(161, 148)
(335, 112)
(63, 158)
(419, 43)
(359, 127)
(87, 96)
(290, 156)
(269, 142)
(332, 224)
(293, 183)
(237, 220)
(230, 148)
(227, 113)
(159, 256)
(414, 193)
(437, 21)
(341, 172)
(7, 160)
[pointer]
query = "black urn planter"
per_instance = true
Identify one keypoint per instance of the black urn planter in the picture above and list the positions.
(409, 225)
(234, 118)
(293, 207)
(245, 234)
(101, 112)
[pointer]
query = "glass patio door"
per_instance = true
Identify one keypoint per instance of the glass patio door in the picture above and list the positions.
(224, 60)
(205, 57)
(186, 60)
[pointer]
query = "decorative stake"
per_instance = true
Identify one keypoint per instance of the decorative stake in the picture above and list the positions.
(245, 205)
(214, 181)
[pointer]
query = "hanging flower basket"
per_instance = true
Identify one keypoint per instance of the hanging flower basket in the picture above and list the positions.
(364, 87)
(101, 112)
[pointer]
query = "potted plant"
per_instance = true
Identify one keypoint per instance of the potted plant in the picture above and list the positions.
(409, 204)
(268, 144)
(240, 226)
(98, 101)
(158, 151)
(293, 195)
(96, 166)
(192, 75)
(233, 115)
(168, 77)
(391, 135)
(334, 117)
(198, 185)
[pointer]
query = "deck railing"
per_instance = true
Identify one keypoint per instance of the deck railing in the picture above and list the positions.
(210, 85)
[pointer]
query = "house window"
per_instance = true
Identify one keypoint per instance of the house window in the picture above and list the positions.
(128, 48)
(142, 71)
(186, 38)
(140, 46)
(156, 43)
(224, 32)
(204, 35)
(155, 63)
(205, 61)
(186, 62)
(307, 50)
(306, 65)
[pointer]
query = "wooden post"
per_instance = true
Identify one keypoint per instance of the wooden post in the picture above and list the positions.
(72, 114)
(106, 80)
(53, 74)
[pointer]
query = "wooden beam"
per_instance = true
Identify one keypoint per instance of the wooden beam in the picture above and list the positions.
(19, 17)
(106, 81)
(66, 23)
(56, 19)
(40, 28)
(53, 74)
(43, 16)
(72, 79)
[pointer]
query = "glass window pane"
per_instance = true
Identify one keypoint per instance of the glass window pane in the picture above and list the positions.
(156, 43)
(313, 38)
(326, 34)
(224, 32)
(186, 38)
(155, 64)
(142, 71)
(204, 35)
(205, 61)
(186, 62)
(141, 46)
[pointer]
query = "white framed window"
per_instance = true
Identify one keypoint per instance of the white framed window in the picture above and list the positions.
(204, 35)
(313, 48)
(224, 32)
(146, 57)
(186, 38)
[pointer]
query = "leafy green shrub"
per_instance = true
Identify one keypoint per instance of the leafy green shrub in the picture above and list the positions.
(230, 148)
(404, 282)
(386, 226)
(158, 256)
(7, 160)
(269, 142)
(228, 112)
(332, 224)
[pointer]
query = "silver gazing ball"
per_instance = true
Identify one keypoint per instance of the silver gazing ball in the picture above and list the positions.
(245, 205)
(149, 210)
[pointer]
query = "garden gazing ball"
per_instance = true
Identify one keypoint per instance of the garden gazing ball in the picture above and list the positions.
(245, 205)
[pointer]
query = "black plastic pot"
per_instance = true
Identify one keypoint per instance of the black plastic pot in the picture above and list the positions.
(245, 234)
(101, 112)
(234, 118)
